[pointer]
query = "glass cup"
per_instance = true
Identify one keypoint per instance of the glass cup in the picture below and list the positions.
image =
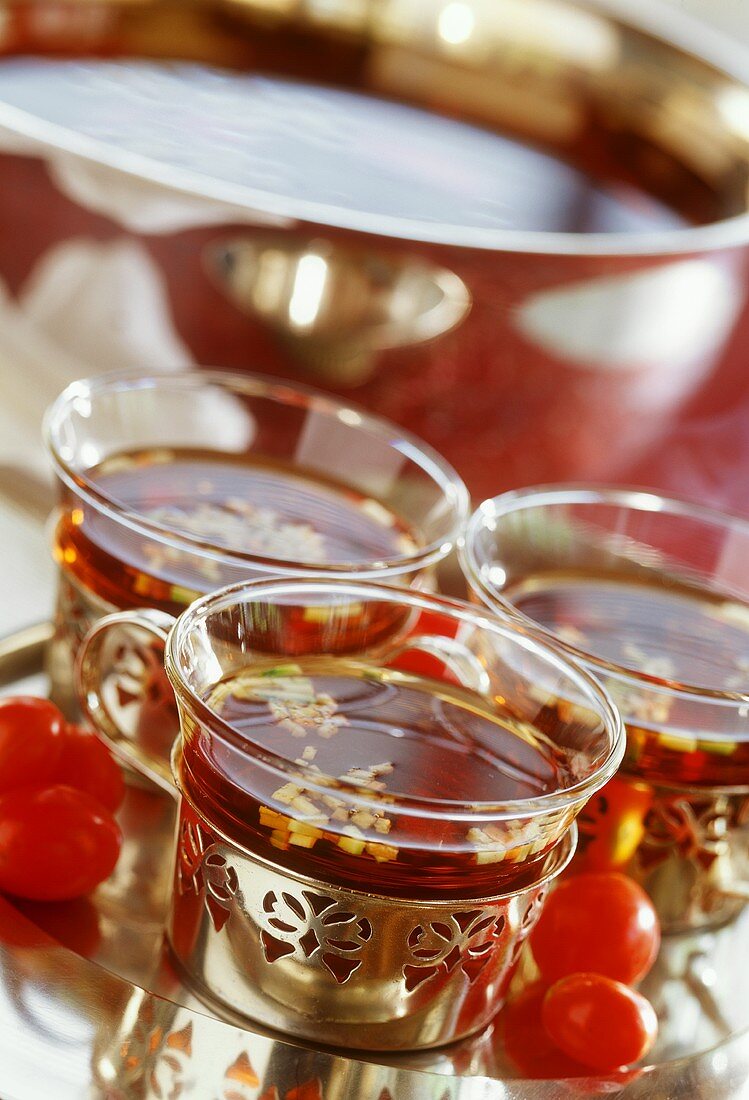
(173, 485)
(375, 788)
(652, 594)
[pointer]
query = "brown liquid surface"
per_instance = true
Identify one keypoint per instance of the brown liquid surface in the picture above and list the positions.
(358, 740)
(240, 505)
(673, 633)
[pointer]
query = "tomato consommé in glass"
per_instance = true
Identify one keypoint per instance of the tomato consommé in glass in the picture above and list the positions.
(174, 485)
(652, 594)
(442, 753)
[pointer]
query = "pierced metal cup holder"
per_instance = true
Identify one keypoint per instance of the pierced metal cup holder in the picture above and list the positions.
(339, 966)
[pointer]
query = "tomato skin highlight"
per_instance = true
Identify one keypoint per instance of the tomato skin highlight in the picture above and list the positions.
(56, 843)
(31, 740)
(601, 923)
(600, 1022)
(87, 764)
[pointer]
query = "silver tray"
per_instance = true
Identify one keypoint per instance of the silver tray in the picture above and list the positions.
(120, 1025)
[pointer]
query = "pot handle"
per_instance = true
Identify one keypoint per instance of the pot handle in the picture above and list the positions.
(124, 691)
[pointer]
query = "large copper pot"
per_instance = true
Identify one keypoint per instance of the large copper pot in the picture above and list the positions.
(522, 355)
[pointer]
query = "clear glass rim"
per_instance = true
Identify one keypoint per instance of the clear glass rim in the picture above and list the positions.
(628, 497)
(281, 392)
(245, 591)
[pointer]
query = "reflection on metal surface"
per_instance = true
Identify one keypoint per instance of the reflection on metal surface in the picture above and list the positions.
(20, 653)
(335, 307)
(652, 320)
(74, 1026)
(694, 856)
(572, 74)
(76, 611)
(456, 23)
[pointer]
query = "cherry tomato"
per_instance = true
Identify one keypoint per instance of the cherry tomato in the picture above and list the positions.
(87, 764)
(419, 663)
(441, 629)
(612, 825)
(599, 1022)
(55, 843)
(436, 622)
(31, 734)
(526, 1043)
(601, 923)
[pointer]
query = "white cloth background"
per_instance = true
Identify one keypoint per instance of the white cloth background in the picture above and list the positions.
(42, 348)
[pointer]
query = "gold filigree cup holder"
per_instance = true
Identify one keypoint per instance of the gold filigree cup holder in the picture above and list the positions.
(109, 1017)
(693, 858)
(676, 815)
(313, 959)
(336, 954)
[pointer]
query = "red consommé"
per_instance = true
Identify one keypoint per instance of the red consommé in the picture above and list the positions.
(359, 739)
(242, 504)
(675, 633)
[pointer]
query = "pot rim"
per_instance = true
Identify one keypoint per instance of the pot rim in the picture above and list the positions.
(677, 30)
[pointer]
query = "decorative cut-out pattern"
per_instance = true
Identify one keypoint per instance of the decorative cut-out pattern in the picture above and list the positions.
(241, 1076)
(464, 939)
(532, 913)
(76, 611)
(158, 1057)
(314, 926)
(192, 846)
(200, 868)
(140, 682)
(696, 828)
(221, 885)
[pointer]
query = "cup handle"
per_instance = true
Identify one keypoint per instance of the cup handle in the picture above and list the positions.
(457, 658)
(120, 680)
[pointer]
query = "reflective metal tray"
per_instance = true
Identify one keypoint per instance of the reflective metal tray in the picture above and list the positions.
(90, 1005)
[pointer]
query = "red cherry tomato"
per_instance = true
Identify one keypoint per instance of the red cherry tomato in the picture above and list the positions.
(442, 629)
(612, 825)
(55, 843)
(31, 734)
(436, 622)
(526, 1043)
(87, 764)
(599, 923)
(599, 1022)
(419, 663)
